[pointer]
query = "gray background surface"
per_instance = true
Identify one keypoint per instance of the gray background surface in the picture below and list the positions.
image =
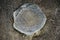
(52, 26)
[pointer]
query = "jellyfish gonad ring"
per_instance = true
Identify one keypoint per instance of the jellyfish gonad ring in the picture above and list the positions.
(29, 19)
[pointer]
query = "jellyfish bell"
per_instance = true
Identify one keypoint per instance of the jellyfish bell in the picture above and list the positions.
(29, 19)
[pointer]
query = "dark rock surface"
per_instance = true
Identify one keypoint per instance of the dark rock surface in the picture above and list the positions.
(49, 7)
